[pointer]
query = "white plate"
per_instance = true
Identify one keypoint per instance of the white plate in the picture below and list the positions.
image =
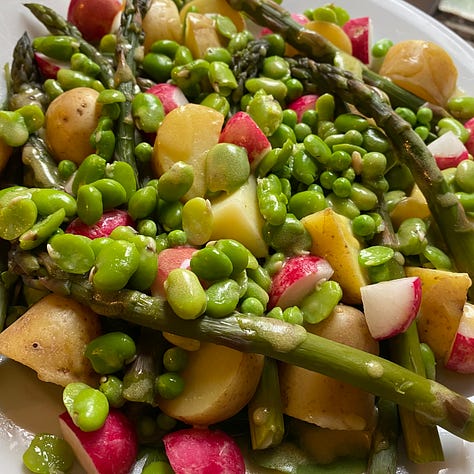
(28, 406)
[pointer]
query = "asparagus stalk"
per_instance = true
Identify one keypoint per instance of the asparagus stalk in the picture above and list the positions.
(455, 227)
(57, 25)
(289, 343)
(267, 426)
(269, 14)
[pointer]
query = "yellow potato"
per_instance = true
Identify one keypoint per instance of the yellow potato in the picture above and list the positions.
(442, 301)
(414, 205)
(422, 67)
(162, 21)
(322, 400)
(201, 34)
(51, 338)
(186, 134)
(333, 240)
(70, 121)
(219, 382)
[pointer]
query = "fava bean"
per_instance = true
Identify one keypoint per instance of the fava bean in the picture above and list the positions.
(143, 277)
(222, 298)
(261, 277)
(158, 66)
(325, 106)
(124, 174)
(170, 214)
(80, 62)
(90, 409)
(185, 293)
(271, 200)
(437, 258)
(222, 78)
(143, 202)
(13, 128)
(317, 148)
(266, 112)
(210, 263)
(69, 79)
(350, 121)
(236, 252)
(291, 237)
(252, 306)
(91, 169)
(305, 169)
(342, 205)
(89, 204)
(197, 220)
(306, 202)
(451, 124)
(254, 290)
(462, 107)
(60, 47)
(113, 193)
(48, 453)
(364, 198)
(217, 102)
(18, 213)
(72, 253)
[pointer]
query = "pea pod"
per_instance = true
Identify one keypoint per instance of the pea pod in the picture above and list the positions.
(109, 352)
(115, 264)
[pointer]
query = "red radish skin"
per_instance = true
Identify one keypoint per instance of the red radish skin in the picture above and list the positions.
(169, 259)
(391, 306)
(95, 18)
(111, 449)
(203, 451)
(448, 150)
(49, 67)
(469, 125)
(171, 96)
(359, 31)
(461, 355)
(241, 130)
(302, 104)
(297, 277)
(106, 224)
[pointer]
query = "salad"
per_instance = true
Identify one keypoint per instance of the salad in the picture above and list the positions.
(252, 226)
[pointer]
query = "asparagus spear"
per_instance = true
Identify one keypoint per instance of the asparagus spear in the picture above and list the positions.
(289, 343)
(455, 227)
(57, 25)
(312, 44)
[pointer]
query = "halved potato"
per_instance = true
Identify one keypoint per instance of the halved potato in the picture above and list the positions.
(219, 382)
(51, 338)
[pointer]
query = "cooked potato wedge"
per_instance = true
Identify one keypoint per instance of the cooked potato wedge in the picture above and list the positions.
(51, 337)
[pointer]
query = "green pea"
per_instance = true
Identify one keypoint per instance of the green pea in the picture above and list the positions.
(222, 297)
(115, 264)
(158, 66)
(48, 453)
(91, 169)
(90, 409)
(342, 187)
(111, 386)
(302, 130)
(197, 220)
(89, 204)
(109, 352)
(276, 44)
(175, 359)
(293, 315)
(423, 132)
(165, 46)
(327, 179)
(169, 385)
(42, 230)
(210, 263)
(177, 238)
(158, 467)
(310, 117)
(317, 148)
(407, 114)
(424, 116)
(66, 168)
(373, 165)
(306, 202)
(18, 214)
(227, 167)
(381, 47)
(170, 214)
(185, 293)
(294, 88)
(143, 152)
(143, 202)
(266, 111)
(351, 121)
(339, 160)
(72, 253)
(147, 227)
(363, 225)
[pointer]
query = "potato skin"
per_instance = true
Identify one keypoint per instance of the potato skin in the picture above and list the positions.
(51, 337)
(70, 121)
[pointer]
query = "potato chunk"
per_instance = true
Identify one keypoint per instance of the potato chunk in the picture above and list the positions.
(51, 337)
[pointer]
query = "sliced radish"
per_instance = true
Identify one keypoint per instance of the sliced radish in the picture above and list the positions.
(111, 449)
(297, 277)
(359, 31)
(49, 67)
(203, 451)
(391, 306)
(302, 104)
(469, 125)
(448, 150)
(106, 224)
(171, 96)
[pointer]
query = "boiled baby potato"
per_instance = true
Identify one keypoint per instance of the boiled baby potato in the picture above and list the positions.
(443, 297)
(162, 21)
(219, 382)
(324, 401)
(70, 121)
(422, 67)
(51, 337)
(200, 34)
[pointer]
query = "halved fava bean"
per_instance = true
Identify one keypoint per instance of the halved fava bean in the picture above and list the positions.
(42, 230)
(185, 293)
(72, 253)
